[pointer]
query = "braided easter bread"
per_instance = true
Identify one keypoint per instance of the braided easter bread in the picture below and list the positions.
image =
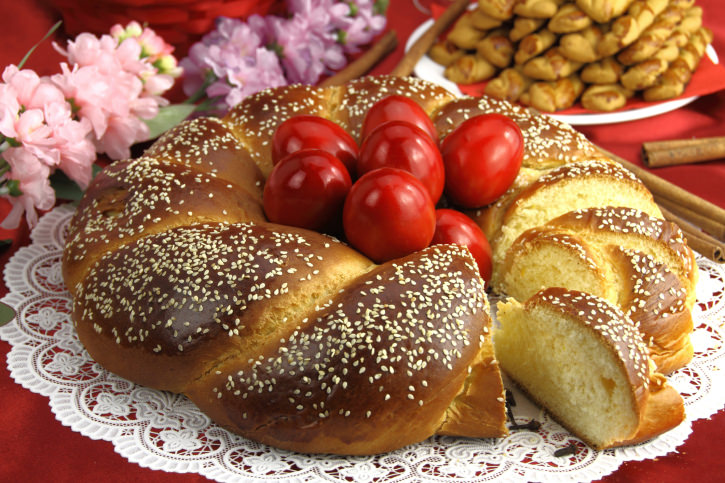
(285, 335)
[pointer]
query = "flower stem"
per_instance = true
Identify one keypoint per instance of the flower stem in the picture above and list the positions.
(201, 91)
(32, 49)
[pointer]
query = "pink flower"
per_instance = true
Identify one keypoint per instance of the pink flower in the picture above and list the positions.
(114, 85)
(111, 103)
(154, 49)
(42, 121)
(34, 185)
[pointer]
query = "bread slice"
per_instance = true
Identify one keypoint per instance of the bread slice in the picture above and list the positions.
(584, 361)
(558, 191)
(623, 256)
(646, 290)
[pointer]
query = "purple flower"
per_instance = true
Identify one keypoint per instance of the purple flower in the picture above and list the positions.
(240, 58)
(234, 63)
(360, 26)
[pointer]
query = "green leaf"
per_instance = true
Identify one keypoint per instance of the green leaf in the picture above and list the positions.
(381, 6)
(32, 49)
(67, 189)
(168, 117)
(7, 314)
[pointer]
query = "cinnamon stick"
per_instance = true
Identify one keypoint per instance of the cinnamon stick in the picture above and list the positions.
(698, 240)
(708, 225)
(682, 151)
(424, 43)
(363, 64)
(665, 190)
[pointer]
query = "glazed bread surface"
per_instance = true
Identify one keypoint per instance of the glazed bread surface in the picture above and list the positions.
(280, 334)
(293, 338)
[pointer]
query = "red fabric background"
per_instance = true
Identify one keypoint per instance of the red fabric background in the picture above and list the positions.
(36, 447)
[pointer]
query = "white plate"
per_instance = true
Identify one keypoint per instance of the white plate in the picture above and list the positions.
(429, 70)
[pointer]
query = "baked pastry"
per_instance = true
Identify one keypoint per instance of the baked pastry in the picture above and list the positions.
(672, 82)
(533, 45)
(500, 9)
(648, 272)
(569, 18)
(465, 34)
(470, 69)
(608, 394)
(483, 21)
(496, 48)
(537, 8)
(605, 71)
(582, 46)
(604, 10)
(627, 28)
(643, 75)
(550, 66)
(523, 26)
(445, 53)
(280, 334)
(653, 38)
(605, 97)
(288, 336)
(508, 85)
(554, 95)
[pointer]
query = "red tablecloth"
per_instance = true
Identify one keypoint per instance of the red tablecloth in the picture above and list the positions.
(36, 447)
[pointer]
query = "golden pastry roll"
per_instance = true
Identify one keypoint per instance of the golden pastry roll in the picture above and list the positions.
(627, 28)
(691, 21)
(682, 3)
(482, 21)
(569, 18)
(470, 69)
(668, 52)
(464, 35)
(605, 97)
(605, 71)
(500, 9)
(653, 38)
(523, 26)
(537, 8)
(643, 75)
(496, 48)
(550, 66)
(553, 96)
(582, 46)
(508, 85)
(533, 45)
(445, 53)
(604, 10)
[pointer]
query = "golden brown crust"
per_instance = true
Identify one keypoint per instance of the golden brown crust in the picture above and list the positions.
(580, 258)
(357, 364)
(635, 229)
(605, 97)
(563, 144)
(181, 284)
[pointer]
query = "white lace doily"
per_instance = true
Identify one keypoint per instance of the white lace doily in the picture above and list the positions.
(166, 431)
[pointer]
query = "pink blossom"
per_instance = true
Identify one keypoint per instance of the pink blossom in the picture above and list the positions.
(114, 86)
(112, 103)
(42, 121)
(34, 185)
